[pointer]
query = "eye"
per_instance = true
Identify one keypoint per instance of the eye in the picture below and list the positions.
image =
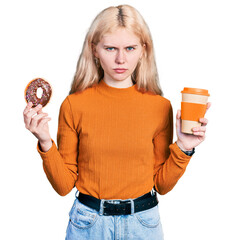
(130, 48)
(110, 49)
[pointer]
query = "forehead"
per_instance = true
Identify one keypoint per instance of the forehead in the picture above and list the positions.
(121, 36)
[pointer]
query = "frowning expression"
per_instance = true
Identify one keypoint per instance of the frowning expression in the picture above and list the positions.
(119, 53)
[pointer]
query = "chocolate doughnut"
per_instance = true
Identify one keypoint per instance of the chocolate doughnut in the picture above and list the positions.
(31, 92)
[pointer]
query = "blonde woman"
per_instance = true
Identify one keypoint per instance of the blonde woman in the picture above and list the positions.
(115, 134)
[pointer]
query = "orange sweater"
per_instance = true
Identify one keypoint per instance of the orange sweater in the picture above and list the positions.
(114, 143)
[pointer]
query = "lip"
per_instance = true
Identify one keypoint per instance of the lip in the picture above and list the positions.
(120, 70)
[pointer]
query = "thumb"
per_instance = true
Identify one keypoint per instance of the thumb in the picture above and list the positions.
(178, 115)
(178, 120)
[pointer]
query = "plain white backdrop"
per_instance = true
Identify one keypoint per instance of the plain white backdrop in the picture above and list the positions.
(194, 48)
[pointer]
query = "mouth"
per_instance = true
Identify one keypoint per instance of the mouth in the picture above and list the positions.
(120, 70)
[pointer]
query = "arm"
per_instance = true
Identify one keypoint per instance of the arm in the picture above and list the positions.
(60, 165)
(170, 160)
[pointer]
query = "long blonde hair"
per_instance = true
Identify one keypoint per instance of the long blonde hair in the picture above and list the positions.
(89, 73)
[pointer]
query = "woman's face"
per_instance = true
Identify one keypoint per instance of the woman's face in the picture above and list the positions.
(118, 53)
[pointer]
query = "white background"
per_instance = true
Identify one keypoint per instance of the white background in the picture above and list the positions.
(194, 48)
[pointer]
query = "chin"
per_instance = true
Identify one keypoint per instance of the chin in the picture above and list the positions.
(120, 78)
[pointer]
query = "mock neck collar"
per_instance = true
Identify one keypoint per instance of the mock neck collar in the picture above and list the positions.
(116, 92)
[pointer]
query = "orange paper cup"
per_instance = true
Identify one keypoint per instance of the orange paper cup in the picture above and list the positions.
(193, 107)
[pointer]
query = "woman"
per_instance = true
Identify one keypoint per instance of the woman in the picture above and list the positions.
(115, 134)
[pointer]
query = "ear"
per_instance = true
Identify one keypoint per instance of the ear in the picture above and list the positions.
(143, 50)
(94, 50)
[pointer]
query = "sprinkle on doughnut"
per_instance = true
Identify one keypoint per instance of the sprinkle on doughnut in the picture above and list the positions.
(31, 92)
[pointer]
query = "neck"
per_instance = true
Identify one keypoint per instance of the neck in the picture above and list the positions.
(118, 83)
(117, 92)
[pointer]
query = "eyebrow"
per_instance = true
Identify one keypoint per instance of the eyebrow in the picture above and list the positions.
(112, 45)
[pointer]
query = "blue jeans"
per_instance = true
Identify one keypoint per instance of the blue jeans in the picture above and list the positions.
(88, 224)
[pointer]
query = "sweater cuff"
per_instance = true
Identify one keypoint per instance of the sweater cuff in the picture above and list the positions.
(179, 154)
(46, 155)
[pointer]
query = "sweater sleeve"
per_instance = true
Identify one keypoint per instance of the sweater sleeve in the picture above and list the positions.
(60, 164)
(170, 161)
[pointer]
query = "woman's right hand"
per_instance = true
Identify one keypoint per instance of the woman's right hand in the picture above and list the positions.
(37, 123)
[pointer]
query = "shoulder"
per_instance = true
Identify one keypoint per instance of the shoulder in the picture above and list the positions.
(158, 101)
(163, 106)
(162, 100)
(80, 98)
(162, 109)
(76, 103)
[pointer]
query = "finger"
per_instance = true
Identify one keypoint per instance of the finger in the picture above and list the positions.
(199, 129)
(28, 107)
(178, 115)
(40, 111)
(199, 134)
(178, 119)
(39, 116)
(28, 116)
(203, 121)
(208, 105)
(43, 122)
(36, 119)
(34, 111)
(39, 131)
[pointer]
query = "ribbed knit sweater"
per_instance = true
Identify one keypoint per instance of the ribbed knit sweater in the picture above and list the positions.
(114, 143)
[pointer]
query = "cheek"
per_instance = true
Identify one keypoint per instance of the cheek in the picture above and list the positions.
(106, 61)
(103, 64)
(133, 60)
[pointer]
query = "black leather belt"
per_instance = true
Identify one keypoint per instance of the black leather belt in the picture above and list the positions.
(120, 207)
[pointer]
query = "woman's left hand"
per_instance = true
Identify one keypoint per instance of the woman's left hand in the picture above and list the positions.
(187, 142)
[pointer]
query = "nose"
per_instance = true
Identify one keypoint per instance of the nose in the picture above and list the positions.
(120, 57)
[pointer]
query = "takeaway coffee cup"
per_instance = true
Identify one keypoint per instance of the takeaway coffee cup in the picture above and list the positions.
(193, 107)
